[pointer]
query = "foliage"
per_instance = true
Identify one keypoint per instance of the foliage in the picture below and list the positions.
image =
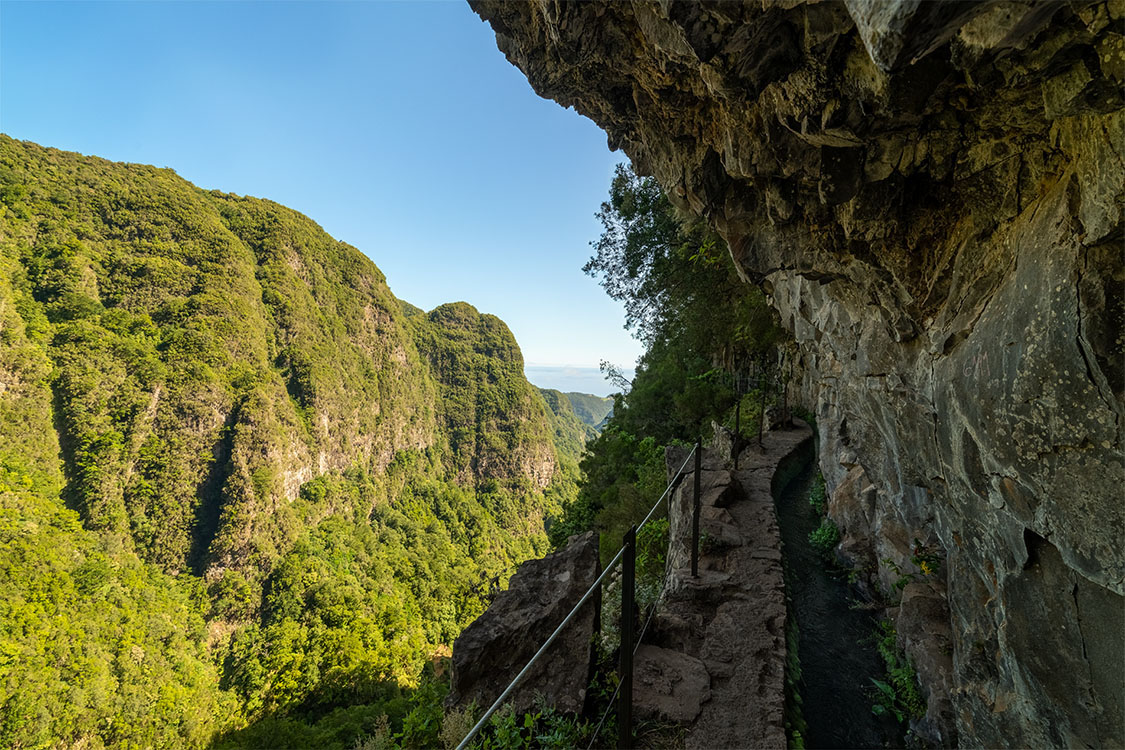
(571, 433)
(670, 274)
(241, 484)
(496, 422)
(456, 725)
(825, 537)
(590, 410)
(404, 720)
(903, 579)
(749, 416)
(698, 321)
(818, 495)
(899, 694)
(422, 725)
(926, 559)
(543, 728)
(95, 649)
(795, 725)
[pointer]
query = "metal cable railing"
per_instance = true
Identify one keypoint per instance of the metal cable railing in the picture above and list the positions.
(639, 640)
(627, 552)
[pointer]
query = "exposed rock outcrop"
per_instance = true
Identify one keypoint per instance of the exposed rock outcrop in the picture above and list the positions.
(932, 193)
(497, 645)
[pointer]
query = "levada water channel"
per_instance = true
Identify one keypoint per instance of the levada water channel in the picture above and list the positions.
(835, 643)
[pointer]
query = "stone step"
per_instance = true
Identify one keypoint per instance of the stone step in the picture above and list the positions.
(668, 685)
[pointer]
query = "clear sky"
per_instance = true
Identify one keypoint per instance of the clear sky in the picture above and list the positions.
(398, 126)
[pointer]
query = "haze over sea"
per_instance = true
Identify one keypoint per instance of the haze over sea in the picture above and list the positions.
(570, 379)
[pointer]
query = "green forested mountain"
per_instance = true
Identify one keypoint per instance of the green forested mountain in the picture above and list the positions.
(571, 432)
(577, 417)
(592, 410)
(240, 482)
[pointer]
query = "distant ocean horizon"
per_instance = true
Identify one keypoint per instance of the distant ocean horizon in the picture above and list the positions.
(570, 379)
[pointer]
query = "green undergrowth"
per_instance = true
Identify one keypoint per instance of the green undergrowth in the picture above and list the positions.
(825, 537)
(898, 695)
(818, 495)
(795, 726)
(243, 488)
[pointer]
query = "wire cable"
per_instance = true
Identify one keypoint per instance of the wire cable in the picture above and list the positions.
(675, 481)
(542, 649)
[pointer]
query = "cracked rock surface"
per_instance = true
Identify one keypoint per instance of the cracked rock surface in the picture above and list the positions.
(496, 646)
(932, 193)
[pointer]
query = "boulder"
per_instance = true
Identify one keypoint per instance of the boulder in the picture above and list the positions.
(492, 650)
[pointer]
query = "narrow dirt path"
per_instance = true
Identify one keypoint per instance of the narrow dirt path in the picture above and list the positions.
(715, 659)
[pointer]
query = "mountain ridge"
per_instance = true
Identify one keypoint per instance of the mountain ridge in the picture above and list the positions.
(215, 415)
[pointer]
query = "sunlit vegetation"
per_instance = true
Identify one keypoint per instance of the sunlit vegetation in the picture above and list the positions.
(245, 492)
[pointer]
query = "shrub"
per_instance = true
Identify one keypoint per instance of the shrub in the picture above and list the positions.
(818, 494)
(898, 695)
(825, 537)
(456, 724)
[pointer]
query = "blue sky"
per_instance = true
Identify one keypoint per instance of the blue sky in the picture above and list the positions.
(397, 126)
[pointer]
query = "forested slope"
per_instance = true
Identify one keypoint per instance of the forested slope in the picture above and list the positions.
(592, 410)
(239, 479)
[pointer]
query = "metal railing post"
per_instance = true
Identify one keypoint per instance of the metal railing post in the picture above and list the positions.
(695, 510)
(736, 441)
(628, 597)
(627, 626)
(762, 420)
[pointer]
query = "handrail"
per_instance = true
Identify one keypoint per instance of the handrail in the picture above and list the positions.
(499, 701)
(570, 616)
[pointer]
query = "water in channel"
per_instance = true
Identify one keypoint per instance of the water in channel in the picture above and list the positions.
(836, 647)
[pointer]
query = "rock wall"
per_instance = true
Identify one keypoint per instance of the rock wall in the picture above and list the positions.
(932, 195)
(496, 646)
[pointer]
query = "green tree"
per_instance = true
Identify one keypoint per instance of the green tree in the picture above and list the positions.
(241, 484)
(699, 322)
(675, 277)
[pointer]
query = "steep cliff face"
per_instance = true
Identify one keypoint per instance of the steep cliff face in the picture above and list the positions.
(932, 194)
(496, 421)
